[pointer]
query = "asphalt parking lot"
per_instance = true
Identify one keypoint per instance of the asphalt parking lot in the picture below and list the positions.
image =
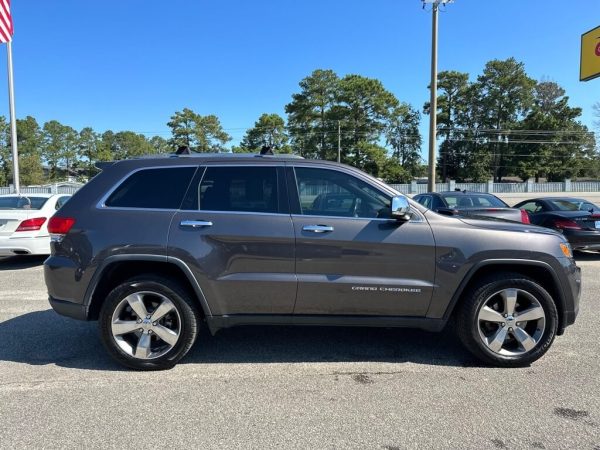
(286, 387)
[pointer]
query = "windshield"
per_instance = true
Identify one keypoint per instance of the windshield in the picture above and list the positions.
(22, 202)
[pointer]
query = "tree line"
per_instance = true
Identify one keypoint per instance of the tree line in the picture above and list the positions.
(502, 123)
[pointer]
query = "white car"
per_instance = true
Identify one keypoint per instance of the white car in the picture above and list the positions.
(24, 222)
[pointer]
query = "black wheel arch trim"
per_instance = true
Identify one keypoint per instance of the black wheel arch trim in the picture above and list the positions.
(98, 274)
(521, 262)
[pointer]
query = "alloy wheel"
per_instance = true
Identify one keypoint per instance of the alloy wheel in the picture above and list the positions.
(146, 325)
(511, 322)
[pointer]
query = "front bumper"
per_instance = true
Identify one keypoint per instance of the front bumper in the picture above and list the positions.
(10, 246)
(571, 285)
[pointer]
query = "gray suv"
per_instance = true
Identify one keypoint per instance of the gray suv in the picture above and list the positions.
(154, 248)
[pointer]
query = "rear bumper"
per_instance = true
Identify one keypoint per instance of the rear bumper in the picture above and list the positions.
(10, 246)
(69, 309)
(62, 278)
(583, 239)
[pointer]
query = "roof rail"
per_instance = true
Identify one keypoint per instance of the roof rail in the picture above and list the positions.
(103, 164)
(280, 155)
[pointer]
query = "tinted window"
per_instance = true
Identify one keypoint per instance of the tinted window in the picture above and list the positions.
(473, 200)
(425, 201)
(23, 202)
(325, 192)
(586, 206)
(564, 205)
(153, 188)
(531, 207)
(245, 189)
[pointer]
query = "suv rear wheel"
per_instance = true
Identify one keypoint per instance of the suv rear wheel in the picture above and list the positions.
(507, 320)
(148, 323)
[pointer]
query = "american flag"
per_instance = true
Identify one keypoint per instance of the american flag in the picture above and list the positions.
(6, 24)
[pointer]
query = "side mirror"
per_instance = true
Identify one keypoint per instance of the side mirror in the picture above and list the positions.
(401, 209)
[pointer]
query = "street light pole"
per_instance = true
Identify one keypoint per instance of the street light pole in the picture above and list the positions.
(433, 91)
(13, 120)
(339, 142)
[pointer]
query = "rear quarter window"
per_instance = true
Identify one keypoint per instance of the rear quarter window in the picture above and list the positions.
(564, 205)
(161, 188)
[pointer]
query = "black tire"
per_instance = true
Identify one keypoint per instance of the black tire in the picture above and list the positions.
(184, 314)
(468, 323)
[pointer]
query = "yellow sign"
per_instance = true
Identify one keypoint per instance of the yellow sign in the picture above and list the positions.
(590, 55)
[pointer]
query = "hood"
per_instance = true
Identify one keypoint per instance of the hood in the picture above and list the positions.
(506, 225)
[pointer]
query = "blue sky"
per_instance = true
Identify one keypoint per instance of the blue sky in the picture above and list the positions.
(129, 64)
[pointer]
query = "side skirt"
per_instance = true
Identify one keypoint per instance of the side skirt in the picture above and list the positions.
(215, 323)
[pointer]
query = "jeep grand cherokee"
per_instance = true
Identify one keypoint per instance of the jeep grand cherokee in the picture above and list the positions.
(155, 248)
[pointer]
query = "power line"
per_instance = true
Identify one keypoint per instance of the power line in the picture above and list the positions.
(334, 124)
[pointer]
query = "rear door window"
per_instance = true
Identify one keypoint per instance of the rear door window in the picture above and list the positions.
(239, 188)
(161, 188)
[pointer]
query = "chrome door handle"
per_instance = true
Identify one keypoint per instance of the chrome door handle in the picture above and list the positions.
(317, 228)
(195, 223)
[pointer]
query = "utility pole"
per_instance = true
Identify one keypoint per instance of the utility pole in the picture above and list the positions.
(339, 141)
(435, 5)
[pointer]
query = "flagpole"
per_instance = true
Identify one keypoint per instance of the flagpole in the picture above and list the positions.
(13, 119)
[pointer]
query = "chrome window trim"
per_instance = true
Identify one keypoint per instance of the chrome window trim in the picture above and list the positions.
(193, 211)
(197, 211)
(379, 185)
(132, 208)
(273, 163)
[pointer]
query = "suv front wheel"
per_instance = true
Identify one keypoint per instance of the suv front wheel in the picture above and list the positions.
(148, 323)
(507, 320)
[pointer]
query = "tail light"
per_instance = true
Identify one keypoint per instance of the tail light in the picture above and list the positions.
(566, 224)
(525, 216)
(31, 224)
(60, 225)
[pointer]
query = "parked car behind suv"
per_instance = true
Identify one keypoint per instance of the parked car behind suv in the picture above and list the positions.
(24, 222)
(471, 204)
(577, 219)
(155, 248)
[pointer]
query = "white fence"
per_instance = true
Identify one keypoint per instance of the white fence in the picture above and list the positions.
(42, 190)
(411, 188)
(502, 188)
